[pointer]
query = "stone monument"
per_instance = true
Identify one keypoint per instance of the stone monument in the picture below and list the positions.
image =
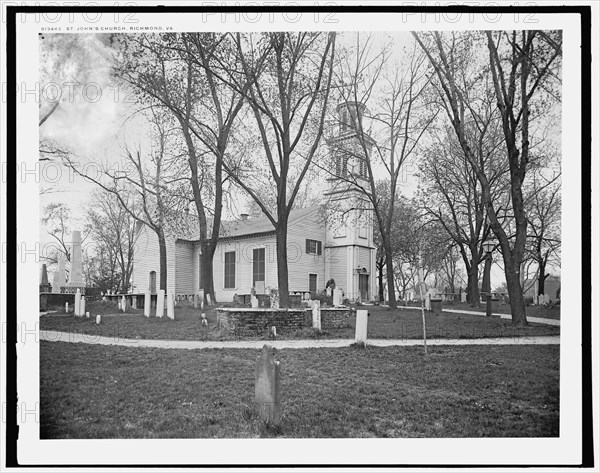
(76, 275)
(44, 284)
(171, 305)
(267, 391)
(316, 314)
(362, 317)
(160, 303)
(147, 302)
(337, 297)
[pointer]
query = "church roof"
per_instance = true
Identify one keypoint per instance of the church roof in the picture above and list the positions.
(185, 227)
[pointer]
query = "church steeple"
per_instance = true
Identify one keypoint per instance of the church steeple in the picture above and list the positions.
(350, 145)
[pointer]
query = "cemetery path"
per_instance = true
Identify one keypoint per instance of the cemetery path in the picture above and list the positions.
(53, 336)
(536, 320)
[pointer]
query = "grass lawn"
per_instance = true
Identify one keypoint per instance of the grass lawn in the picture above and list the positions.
(552, 312)
(92, 391)
(383, 323)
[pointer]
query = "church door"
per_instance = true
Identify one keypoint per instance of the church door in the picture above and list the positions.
(363, 287)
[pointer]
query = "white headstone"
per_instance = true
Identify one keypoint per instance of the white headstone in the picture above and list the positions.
(160, 303)
(76, 274)
(328, 291)
(98, 319)
(66, 307)
(208, 300)
(147, 302)
(82, 306)
(77, 302)
(123, 304)
(316, 314)
(337, 297)
(195, 301)
(361, 326)
(428, 302)
(171, 306)
(254, 302)
(463, 297)
(87, 315)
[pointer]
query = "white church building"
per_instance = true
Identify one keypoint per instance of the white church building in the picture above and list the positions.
(330, 241)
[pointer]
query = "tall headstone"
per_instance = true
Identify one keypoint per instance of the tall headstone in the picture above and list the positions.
(62, 278)
(428, 302)
(98, 319)
(76, 275)
(337, 297)
(195, 301)
(160, 303)
(267, 390)
(147, 302)
(66, 307)
(316, 314)
(55, 284)
(253, 302)
(77, 303)
(82, 306)
(171, 305)
(463, 297)
(123, 304)
(362, 317)
(44, 283)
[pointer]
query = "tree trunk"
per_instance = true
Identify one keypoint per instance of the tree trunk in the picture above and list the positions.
(380, 265)
(487, 285)
(389, 264)
(542, 277)
(473, 285)
(162, 245)
(515, 292)
(207, 258)
(282, 264)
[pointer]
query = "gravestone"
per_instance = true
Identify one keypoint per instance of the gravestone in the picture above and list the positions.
(337, 297)
(60, 275)
(82, 306)
(171, 306)
(274, 299)
(362, 317)
(66, 307)
(254, 302)
(134, 302)
(147, 302)
(328, 291)
(316, 314)
(267, 386)
(44, 284)
(77, 302)
(208, 300)
(76, 274)
(160, 303)
(195, 301)
(463, 297)
(428, 302)
(98, 319)
(123, 304)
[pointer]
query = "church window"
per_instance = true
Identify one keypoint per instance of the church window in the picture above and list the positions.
(313, 247)
(229, 270)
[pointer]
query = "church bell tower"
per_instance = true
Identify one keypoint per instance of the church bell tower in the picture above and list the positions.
(349, 248)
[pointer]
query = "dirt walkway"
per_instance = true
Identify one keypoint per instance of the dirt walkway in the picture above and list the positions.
(53, 336)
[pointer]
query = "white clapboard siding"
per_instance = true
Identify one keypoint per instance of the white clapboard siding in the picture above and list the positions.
(243, 248)
(364, 258)
(337, 258)
(300, 264)
(184, 264)
(146, 259)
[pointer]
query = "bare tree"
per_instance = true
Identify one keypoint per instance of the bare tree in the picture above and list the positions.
(391, 119)
(523, 67)
(286, 83)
